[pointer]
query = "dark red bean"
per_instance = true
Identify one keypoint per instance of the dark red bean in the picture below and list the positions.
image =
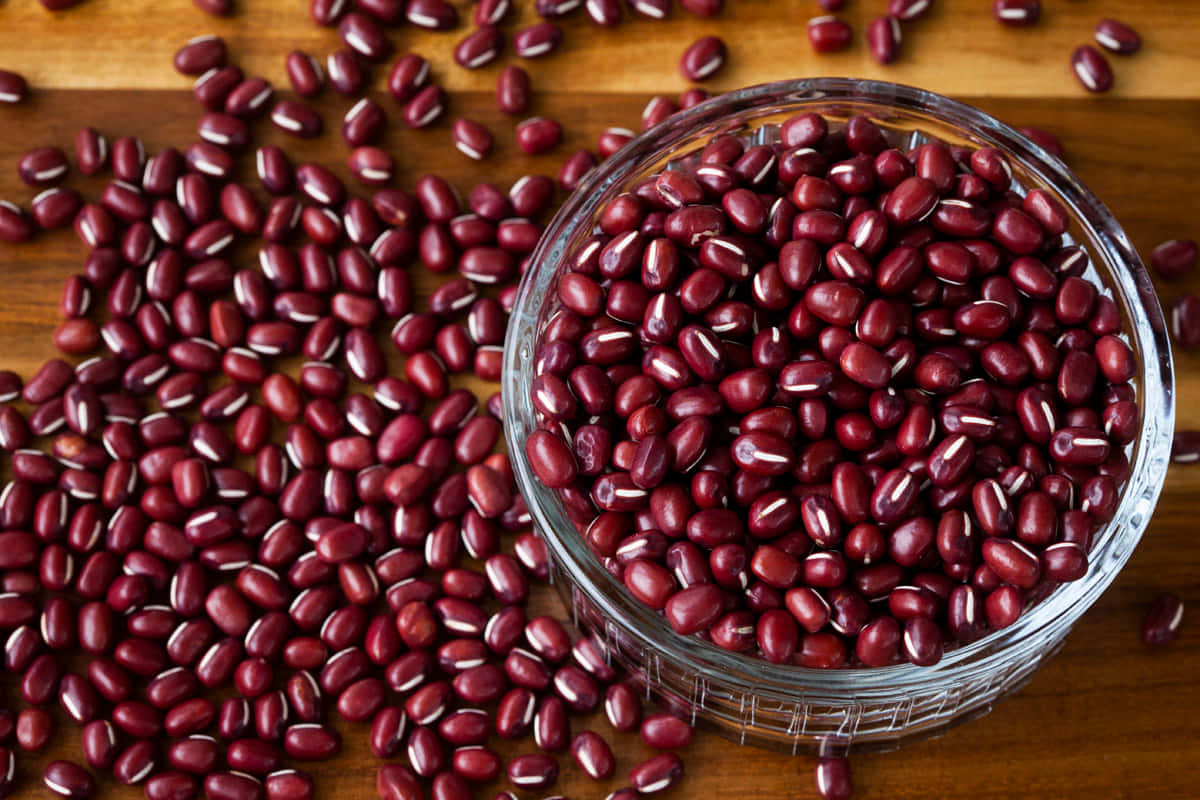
(656, 774)
(13, 88)
(1117, 37)
(1162, 619)
(1174, 258)
(425, 107)
(703, 58)
(1091, 69)
(538, 135)
(537, 40)
(884, 39)
(397, 782)
(512, 90)
(593, 755)
(665, 732)
(832, 777)
(1019, 13)
(67, 779)
(829, 34)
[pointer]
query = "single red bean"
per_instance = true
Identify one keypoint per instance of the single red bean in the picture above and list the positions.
(67, 779)
(538, 135)
(1117, 37)
(13, 88)
(1018, 13)
(533, 771)
(703, 59)
(1174, 258)
(829, 34)
(832, 777)
(1091, 69)
(656, 774)
(1162, 619)
(512, 90)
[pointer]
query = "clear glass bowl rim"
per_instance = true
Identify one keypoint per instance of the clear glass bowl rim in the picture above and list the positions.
(1050, 618)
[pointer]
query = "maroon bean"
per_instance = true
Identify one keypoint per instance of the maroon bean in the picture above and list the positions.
(305, 73)
(1018, 13)
(656, 774)
(512, 90)
(431, 14)
(538, 135)
(43, 166)
(288, 783)
(533, 771)
(1162, 619)
(1091, 69)
(67, 779)
(832, 774)
(297, 119)
(475, 763)
(1174, 258)
(703, 58)
(397, 782)
(829, 34)
(33, 729)
(593, 755)
(311, 742)
(665, 732)
(13, 88)
(551, 728)
(537, 40)
(883, 39)
(425, 107)
(1185, 320)
(1117, 37)
(694, 609)
(232, 786)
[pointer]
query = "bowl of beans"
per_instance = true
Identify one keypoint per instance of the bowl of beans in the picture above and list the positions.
(837, 403)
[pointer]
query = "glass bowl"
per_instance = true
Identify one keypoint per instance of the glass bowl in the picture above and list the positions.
(790, 707)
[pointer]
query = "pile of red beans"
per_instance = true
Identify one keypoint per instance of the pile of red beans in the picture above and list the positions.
(832, 403)
(333, 538)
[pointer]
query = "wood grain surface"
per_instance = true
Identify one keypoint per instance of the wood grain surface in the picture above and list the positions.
(1106, 717)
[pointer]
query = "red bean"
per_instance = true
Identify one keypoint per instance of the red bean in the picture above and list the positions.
(1117, 37)
(657, 774)
(593, 755)
(884, 39)
(43, 166)
(397, 782)
(431, 14)
(833, 778)
(67, 779)
(665, 732)
(1091, 69)
(909, 10)
(13, 88)
(1162, 619)
(1017, 12)
(512, 90)
(538, 135)
(533, 771)
(703, 58)
(829, 34)
(1174, 258)
(537, 40)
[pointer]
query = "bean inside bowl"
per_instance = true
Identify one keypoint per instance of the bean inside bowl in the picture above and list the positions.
(847, 584)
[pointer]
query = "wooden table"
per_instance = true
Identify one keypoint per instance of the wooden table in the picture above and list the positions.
(1107, 717)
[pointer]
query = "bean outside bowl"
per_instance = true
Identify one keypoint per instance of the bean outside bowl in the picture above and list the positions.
(792, 708)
